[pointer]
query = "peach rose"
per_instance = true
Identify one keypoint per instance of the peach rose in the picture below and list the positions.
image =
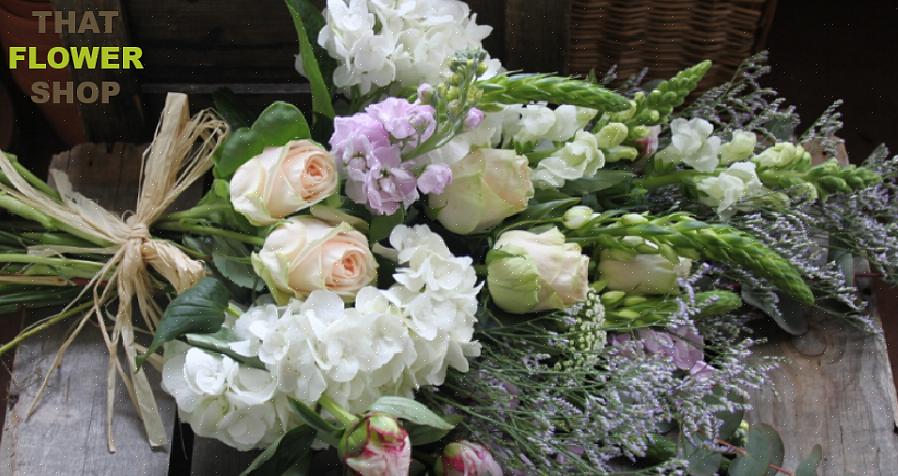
(283, 180)
(304, 254)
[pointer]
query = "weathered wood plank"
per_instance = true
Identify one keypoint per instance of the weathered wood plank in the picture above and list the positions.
(121, 118)
(835, 388)
(67, 433)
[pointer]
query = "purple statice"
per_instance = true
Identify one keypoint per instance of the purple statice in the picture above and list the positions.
(369, 147)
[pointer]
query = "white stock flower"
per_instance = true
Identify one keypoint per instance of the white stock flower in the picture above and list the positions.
(739, 181)
(578, 158)
(691, 144)
(409, 42)
(223, 400)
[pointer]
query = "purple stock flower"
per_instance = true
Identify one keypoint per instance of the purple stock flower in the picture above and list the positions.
(473, 118)
(404, 121)
(434, 178)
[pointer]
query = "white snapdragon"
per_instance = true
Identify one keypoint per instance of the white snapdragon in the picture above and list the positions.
(541, 123)
(738, 182)
(692, 144)
(739, 148)
(380, 42)
(578, 158)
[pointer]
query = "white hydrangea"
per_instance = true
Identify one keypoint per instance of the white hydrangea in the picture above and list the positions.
(738, 182)
(391, 342)
(578, 158)
(221, 399)
(379, 42)
(691, 144)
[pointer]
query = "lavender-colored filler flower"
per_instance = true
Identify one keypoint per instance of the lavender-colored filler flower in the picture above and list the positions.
(369, 146)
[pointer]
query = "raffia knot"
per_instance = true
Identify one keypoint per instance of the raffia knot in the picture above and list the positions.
(137, 230)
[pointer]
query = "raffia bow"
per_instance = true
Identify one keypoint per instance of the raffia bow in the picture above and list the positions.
(180, 154)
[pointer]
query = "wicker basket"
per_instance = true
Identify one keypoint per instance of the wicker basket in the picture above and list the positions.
(665, 35)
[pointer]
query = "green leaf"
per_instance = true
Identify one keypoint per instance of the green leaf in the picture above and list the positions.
(220, 342)
(763, 449)
(321, 97)
(547, 209)
(282, 455)
(808, 466)
(408, 409)
(731, 422)
(425, 435)
(232, 260)
(278, 124)
(199, 310)
(602, 180)
(382, 225)
(702, 461)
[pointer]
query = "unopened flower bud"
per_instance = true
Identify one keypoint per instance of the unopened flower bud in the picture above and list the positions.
(611, 298)
(612, 135)
(576, 217)
(377, 446)
(616, 154)
(633, 219)
(463, 458)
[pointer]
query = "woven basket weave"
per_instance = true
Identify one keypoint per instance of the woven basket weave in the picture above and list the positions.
(665, 35)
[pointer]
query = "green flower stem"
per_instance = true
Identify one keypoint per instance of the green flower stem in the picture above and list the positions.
(653, 182)
(46, 324)
(201, 211)
(348, 420)
(208, 230)
(31, 178)
(46, 260)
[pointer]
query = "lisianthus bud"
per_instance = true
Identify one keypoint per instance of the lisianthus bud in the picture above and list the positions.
(377, 446)
(304, 254)
(739, 148)
(528, 272)
(283, 180)
(463, 458)
(575, 217)
(488, 185)
(782, 154)
(643, 273)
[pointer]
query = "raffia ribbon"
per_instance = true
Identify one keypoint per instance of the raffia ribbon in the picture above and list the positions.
(180, 154)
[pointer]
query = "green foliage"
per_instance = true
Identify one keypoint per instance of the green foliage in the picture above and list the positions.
(278, 124)
(410, 410)
(382, 225)
(308, 21)
(524, 88)
(288, 452)
(657, 106)
(199, 310)
(764, 448)
(623, 311)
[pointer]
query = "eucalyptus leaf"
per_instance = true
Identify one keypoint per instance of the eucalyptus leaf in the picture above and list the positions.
(282, 455)
(276, 125)
(789, 314)
(808, 466)
(408, 409)
(731, 422)
(326, 431)
(198, 310)
(764, 448)
(425, 435)
(321, 97)
(702, 461)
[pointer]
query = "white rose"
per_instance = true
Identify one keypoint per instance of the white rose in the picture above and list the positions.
(739, 148)
(691, 144)
(530, 272)
(283, 180)
(644, 273)
(488, 185)
(577, 159)
(305, 254)
(737, 182)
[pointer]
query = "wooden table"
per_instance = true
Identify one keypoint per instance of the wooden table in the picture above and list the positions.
(835, 389)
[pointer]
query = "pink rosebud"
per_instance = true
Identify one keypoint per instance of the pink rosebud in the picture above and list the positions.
(464, 458)
(473, 118)
(377, 446)
(434, 178)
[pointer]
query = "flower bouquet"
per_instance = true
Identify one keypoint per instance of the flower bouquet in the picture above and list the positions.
(453, 269)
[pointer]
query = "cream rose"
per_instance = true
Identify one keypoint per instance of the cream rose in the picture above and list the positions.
(305, 254)
(528, 272)
(643, 273)
(488, 186)
(283, 180)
